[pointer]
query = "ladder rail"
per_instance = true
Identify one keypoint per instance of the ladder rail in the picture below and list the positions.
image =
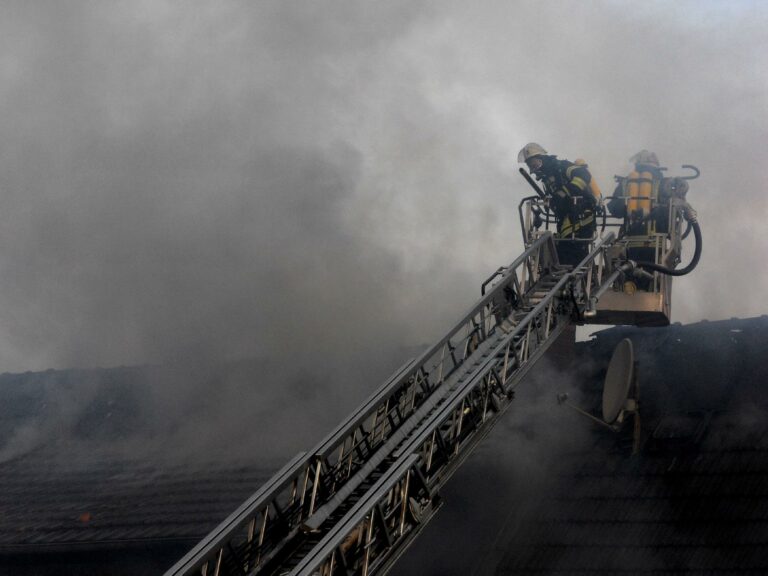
(470, 402)
(316, 483)
(207, 550)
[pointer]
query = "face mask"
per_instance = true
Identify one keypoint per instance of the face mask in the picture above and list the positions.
(535, 165)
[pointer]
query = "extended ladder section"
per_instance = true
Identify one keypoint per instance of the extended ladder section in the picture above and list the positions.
(355, 502)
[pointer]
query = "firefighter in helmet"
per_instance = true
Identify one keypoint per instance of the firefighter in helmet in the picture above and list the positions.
(567, 186)
(642, 197)
(637, 188)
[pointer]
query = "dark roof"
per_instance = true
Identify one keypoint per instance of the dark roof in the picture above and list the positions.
(46, 507)
(88, 463)
(552, 493)
(547, 493)
(667, 510)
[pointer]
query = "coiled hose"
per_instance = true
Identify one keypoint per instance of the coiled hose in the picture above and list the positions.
(692, 218)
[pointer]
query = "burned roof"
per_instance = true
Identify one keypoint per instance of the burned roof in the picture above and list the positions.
(680, 510)
(114, 503)
(547, 493)
(559, 494)
(88, 463)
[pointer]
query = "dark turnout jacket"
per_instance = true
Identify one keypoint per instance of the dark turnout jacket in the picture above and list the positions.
(571, 199)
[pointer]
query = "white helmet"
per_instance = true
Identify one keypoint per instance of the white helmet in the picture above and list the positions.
(645, 157)
(529, 151)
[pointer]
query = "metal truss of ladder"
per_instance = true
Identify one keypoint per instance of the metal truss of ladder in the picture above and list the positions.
(355, 502)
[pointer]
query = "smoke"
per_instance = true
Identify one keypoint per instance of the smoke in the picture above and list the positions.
(42, 409)
(503, 481)
(322, 181)
(318, 186)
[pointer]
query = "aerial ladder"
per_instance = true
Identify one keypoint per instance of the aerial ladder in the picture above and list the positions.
(357, 500)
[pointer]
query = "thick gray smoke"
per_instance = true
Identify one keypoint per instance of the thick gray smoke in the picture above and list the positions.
(305, 180)
(320, 184)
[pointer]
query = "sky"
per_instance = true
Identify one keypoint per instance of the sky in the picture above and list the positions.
(322, 183)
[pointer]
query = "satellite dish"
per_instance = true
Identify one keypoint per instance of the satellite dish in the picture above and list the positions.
(618, 380)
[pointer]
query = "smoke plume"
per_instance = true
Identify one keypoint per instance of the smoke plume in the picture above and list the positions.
(316, 182)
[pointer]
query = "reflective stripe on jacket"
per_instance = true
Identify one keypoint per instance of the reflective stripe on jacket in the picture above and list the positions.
(571, 198)
(581, 228)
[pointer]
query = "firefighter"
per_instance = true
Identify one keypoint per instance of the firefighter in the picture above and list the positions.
(642, 197)
(567, 186)
(634, 192)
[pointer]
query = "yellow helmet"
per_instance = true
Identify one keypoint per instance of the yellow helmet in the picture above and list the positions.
(645, 157)
(529, 151)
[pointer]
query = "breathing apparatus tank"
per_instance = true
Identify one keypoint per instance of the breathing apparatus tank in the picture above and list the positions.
(646, 193)
(593, 187)
(633, 191)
